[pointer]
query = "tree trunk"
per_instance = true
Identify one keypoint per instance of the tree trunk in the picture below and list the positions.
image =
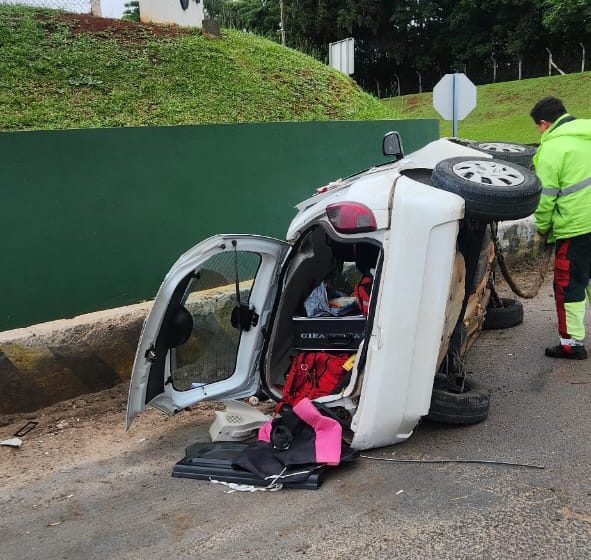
(95, 8)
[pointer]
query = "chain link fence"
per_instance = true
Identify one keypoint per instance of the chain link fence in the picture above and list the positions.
(75, 6)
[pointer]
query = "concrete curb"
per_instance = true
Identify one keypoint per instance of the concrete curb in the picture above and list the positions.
(51, 362)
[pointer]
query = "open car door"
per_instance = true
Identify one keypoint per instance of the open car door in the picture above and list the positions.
(203, 337)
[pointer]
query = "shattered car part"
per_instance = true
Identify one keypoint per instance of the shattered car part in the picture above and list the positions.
(237, 422)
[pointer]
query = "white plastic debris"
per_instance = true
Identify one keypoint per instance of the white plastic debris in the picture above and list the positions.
(275, 483)
(12, 442)
(234, 487)
(237, 422)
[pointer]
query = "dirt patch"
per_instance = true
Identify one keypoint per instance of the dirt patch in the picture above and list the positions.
(507, 97)
(90, 427)
(85, 407)
(129, 31)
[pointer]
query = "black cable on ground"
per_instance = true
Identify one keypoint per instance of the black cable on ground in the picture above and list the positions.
(444, 461)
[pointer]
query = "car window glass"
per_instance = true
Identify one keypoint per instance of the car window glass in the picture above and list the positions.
(209, 355)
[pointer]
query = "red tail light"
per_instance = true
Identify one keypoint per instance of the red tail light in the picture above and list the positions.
(351, 217)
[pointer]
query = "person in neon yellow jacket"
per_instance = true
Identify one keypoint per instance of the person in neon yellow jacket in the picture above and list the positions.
(563, 165)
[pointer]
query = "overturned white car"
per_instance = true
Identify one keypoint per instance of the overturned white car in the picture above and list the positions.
(230, 316)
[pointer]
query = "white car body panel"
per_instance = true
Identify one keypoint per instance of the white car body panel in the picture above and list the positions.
(419, 253)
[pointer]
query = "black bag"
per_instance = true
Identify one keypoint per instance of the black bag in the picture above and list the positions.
(291, 452)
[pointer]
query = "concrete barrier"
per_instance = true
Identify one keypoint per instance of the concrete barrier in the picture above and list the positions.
(58, 360)
(519, 240)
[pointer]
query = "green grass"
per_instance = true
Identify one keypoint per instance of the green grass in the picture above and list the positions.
(56, 72)
(502, 111)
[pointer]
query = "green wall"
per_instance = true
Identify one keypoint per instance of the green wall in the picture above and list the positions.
(93, 219)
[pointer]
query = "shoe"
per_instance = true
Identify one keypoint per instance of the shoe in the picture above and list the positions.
(567, 352)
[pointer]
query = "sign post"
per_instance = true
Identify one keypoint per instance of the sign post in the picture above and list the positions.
(454, 97)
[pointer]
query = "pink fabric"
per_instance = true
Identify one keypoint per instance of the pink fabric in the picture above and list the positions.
(265, 431)
(329, 432)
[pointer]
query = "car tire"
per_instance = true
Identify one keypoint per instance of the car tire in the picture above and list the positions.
(469, 403)
(522, 154)
(493, 190)
(505, 317)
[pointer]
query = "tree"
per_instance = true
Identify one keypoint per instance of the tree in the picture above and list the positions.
(400, 37)
(572, 18)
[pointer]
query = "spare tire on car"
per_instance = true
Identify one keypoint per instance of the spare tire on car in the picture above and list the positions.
(463, 401)
(522, 154)
(493, 190)
(509, 314)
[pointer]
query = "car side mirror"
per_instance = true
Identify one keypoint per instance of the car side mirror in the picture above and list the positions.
(392, 145)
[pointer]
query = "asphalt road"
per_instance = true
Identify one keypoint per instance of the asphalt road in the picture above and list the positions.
(126, 506)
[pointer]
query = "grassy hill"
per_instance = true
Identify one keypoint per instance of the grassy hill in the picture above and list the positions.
(66, 71)
(502, 112)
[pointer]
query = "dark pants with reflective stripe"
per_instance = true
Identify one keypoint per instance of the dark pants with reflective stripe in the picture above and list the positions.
(572, 274)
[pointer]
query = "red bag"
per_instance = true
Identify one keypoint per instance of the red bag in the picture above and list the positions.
(314, 374)
(363, 293)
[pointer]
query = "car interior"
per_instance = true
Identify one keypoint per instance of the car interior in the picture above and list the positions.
(322, 265)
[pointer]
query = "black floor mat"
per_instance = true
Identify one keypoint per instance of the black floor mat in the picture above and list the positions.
(213, 461)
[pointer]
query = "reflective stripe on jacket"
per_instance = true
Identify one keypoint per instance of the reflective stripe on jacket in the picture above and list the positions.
(563, 164)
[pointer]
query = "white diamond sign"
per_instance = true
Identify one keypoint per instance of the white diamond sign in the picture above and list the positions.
(454, 97)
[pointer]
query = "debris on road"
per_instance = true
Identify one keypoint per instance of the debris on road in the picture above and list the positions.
(26, 428)
(235, 487)
(12, 442)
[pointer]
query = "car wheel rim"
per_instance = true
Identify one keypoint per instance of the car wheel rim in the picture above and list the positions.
(488, 173)
(502, 147)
